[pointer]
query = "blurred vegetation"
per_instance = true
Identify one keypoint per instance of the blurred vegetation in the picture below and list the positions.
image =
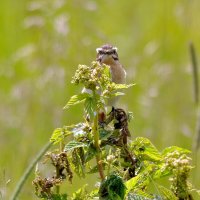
(43, 41)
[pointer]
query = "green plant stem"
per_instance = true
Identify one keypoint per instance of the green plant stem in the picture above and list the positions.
(57, 189)
(62, 145)
(108, 170)
(97, 146)
(195, 72)
(29, 170)
(194, 63)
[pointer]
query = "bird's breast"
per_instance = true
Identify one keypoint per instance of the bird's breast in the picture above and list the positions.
(118, 73)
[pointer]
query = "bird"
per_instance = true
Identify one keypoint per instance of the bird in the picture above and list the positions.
(107, 54)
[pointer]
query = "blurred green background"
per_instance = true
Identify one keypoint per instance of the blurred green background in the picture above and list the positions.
(43, 41)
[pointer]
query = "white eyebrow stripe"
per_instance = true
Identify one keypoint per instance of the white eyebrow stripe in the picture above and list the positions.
(98, 49)
(115, 48)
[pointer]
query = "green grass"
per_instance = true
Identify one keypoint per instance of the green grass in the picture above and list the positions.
(152, 37)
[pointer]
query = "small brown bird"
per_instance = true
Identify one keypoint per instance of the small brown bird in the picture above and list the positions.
(107, 54)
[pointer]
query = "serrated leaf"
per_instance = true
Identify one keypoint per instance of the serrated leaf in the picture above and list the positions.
(136, 197)
(157, 197)
(59, 197)
(59, 134)
(80, 194)
(90, 153)
(76, 99)
(73, 145)
(131, 183)
(145, 150)
(143, 194)
(137, 182)
(161, 172)
(123, 86)
(80, 129)
(78, 161)
(173, 149)
(93, 194)
(142, 180)
(104, 134)
(93, 170)
(118, 94)
(139, 195)
(166, 193)
(112, 188)
(89, 106)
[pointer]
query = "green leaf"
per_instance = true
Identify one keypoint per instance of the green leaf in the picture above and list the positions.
(136, 197)
(145, 150)
(89, 106)
(131, 183)
(173, 149)
(76, 99)
(73, 145)
(59, 197)
(142, 180)
(112, 188)
(80, 129)
(90, 153)
(166, 193)
(130, 116)
(80, 194)
(143, 194)
(78, 161)
(93, 170)
(118, 94)
(59, 134)
(139, 195)
(93, 194)
(122, 86)
(162, 171)
(104, 134)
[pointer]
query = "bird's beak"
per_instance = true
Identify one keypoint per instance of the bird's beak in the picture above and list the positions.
(104, 57)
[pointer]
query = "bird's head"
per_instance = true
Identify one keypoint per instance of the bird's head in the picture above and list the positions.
(107, 54)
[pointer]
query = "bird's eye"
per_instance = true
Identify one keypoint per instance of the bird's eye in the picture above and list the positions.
(101, 52)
